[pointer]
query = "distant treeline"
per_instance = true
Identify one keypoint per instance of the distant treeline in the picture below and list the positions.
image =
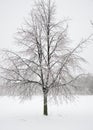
(84, 85)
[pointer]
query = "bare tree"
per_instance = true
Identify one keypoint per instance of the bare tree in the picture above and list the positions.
(47, 63)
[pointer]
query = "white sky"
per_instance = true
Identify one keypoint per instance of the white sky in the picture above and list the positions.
(13, 12)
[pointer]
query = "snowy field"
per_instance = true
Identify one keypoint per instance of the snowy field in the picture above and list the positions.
(27, 115)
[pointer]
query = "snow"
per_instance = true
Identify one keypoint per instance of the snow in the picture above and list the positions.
(16, 115)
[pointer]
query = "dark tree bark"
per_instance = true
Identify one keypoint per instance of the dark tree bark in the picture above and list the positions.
(45, 105)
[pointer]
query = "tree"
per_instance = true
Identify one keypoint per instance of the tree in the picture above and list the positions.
(47, 63)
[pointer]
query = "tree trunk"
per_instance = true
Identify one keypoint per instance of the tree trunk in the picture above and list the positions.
(45, 112)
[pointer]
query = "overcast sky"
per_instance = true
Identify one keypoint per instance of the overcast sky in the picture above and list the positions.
(13, 12)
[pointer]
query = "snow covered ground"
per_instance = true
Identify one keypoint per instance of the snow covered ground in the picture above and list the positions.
(27, 115)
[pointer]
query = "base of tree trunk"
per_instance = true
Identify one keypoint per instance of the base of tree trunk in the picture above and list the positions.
(45, 112)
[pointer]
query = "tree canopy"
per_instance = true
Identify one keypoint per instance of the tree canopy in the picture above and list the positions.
(46, 63)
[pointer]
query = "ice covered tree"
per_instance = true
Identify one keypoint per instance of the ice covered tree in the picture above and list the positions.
(46, 63)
